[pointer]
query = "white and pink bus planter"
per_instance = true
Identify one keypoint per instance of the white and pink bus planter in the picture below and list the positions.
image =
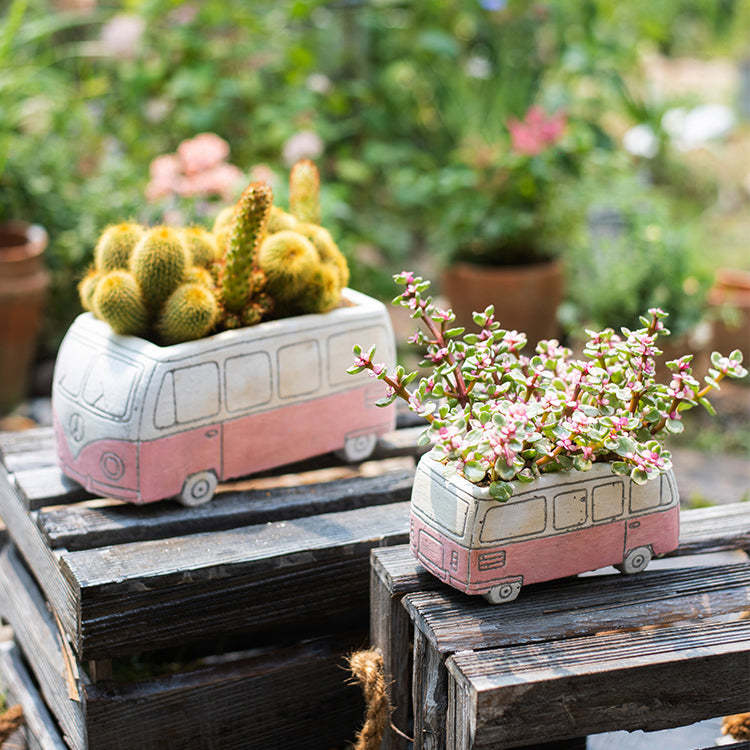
(140, 422)
(559, 525)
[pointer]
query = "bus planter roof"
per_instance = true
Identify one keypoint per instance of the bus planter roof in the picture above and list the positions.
(204, 356)
(542, 465)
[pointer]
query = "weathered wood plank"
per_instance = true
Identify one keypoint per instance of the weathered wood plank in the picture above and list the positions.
(90, 525)
(301, 573)
(298, 698)
(40, 730)
(575, 607)
(22, 528)
(650, 679)
(22, 605)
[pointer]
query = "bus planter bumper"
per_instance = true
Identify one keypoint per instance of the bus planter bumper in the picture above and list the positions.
(561, 524)
(140, 422)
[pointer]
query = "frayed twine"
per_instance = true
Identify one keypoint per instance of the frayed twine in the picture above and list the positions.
(10, 721)
(737, 726)
(368, 671)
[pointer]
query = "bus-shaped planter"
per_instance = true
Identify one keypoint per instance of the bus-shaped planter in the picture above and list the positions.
(561, 524)
(140, 422)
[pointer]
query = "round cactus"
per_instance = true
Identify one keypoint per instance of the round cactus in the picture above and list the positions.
(304, 192)
(87, 287)
(322, 293)
(115, 246)
(159, 263)
(189, 313)
(200, 275)
(221, 228)
(327, 250)
(279, 220)
(117, 300)
(201, 244)
(289, 262)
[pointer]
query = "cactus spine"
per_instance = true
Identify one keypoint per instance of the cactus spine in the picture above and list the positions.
(248, 227)
(201, 246)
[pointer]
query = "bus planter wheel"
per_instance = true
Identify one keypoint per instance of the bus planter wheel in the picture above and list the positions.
(505, 592)
(635, 561)
(199, 488)
(357, 448)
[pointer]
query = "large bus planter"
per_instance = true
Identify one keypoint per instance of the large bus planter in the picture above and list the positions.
(140, 422)
(559, 525)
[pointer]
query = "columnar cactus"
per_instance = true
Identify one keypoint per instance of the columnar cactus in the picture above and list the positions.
(304, 192)
(248, 228)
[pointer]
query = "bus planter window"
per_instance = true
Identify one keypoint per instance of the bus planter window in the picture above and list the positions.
(542, 466)
(205, 356)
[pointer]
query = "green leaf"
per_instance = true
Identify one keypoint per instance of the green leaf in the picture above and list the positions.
(474, 472)
(707, 405)
(620, 468)
(501, 491)
(674, 426)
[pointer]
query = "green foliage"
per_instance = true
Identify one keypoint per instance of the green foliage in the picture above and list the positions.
(632, 252)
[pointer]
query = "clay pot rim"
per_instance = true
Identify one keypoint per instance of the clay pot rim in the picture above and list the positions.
(35, 244)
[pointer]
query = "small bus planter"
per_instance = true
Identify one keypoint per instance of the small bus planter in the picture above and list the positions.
(141, 422)
(543, 466)
(560, 525)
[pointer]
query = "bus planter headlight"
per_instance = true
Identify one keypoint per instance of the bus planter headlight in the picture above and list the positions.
(542, 465)
(204, 356)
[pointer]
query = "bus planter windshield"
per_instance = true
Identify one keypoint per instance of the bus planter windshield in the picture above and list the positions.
(542, 465)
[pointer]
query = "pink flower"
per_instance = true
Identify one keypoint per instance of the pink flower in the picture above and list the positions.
(203, 152)
(536, 131)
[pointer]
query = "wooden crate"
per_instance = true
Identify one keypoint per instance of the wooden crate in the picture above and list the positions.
(478, 669)
(265, 590)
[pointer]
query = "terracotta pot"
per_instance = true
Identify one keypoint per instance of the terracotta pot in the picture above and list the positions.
(526, 298)
(23, 286)
(559, 525)
(730, 298)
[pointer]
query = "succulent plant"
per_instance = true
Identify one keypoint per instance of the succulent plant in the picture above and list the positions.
(258, 261)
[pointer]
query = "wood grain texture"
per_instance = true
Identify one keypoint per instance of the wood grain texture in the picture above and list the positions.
(40, 730)
(653, 679)
(36, 632)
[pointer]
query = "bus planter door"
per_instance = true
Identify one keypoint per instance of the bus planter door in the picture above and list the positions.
(140, 422)
(560, 525)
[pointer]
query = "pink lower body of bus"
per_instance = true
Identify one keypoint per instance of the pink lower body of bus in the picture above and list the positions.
(142, 472)
(476, 571)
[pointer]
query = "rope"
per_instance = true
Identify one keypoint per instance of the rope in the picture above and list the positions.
(737, 726)
(10, 721)
(367, 668)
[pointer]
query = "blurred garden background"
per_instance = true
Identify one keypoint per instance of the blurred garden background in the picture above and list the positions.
(614, 136)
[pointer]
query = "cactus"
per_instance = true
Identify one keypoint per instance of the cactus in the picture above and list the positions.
(280, 220)
(190, 312)
(221, 228)
(117, 300)
(202, 246)
(115, 246)
(200, 275)
(304, 192)
(87, 287)
(322, 292)
(159, 263)
(327, 250)
(248, 228)
(289, 262)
